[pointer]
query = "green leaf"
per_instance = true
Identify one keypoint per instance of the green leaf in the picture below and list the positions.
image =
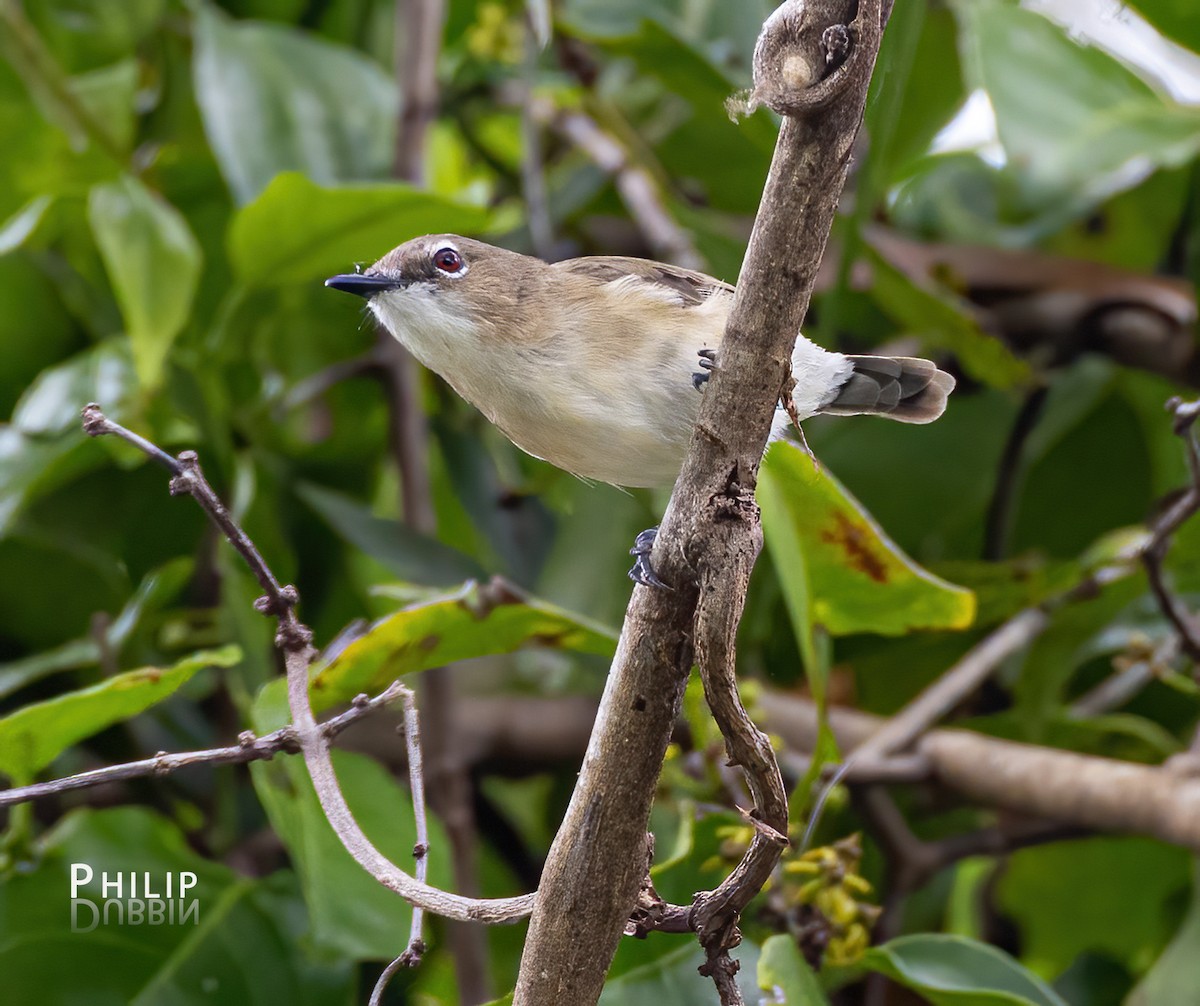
(16, 674)
(253, 944)
(914, 92)
(838, 564)
(44, 447)
(673, 980)
(350, 911)
(473, 621)
(51, 404)
(86, 34)
(408, 554)
(35, 735)
(1176, 974)
(16, 230)
(784, 972)
(955, 971)
(1103, 117)
(153, 262)
(540, 17)
(110, 96)
(1174, 18)
(1113, 896)
(297, 231)
(274, 98)
(31, 465)
(247, 939)
(158, 587)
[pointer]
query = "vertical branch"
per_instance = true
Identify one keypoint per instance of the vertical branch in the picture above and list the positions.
(418, 42)
(419, 36)
(533, 178)
(598, 858)
(419, 26)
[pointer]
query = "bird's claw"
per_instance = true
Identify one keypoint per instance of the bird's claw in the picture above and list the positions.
(642, 572)
(708, 363)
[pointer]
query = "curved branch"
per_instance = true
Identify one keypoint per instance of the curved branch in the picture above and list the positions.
(294, 640)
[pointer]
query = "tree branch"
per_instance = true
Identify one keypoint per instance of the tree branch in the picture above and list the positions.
(636, 186)
(1163, 529)
(416, 781)
(248, 748)
(1080, 790)
(597, 861)
(420, 25)
(294, 640)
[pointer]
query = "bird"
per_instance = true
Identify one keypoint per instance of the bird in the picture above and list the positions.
(593, 364)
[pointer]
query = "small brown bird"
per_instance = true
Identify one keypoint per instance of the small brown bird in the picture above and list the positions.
(593, 363)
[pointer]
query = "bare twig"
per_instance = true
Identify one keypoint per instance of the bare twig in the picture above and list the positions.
(415, 950)
(1164, 527)
(416, 72)
(248, 748)
(982, 660)
(419, 42)
(533, 178)
(294, 640)
(315, 385)
(715, 914)
(635, 184)
(1036, 782)
(961, 680)
(912, 861)
(187, 478)
(1129, 679)
(998, 522)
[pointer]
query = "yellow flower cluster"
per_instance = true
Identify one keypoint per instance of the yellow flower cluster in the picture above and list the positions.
(827, 878)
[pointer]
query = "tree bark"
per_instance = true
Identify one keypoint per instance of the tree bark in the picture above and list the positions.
(599, 856)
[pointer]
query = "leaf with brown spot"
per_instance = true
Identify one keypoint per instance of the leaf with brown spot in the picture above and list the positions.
(837, 567)
(473, 621)
(854, 539)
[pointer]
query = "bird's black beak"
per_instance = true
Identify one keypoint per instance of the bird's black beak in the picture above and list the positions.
(363, 286)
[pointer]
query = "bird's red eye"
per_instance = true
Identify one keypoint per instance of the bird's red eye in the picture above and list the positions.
(447, 259)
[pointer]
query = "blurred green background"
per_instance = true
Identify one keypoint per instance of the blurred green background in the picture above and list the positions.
(177, 177)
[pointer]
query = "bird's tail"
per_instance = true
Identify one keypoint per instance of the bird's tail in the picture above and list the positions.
(899, 387)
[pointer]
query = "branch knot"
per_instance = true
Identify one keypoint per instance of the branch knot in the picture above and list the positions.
(809, 55)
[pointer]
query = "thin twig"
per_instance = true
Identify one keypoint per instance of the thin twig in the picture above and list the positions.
(715, 914)
(635, 184)
(415, 951)
(981, 661)
(1163, 530)
(533, 178)
(1103, 794)
(951, 688)
(419, 42)
(187, 478)
(998, 522)
(416, 73)
(294, 640)
(1130, 678)
(248, 748)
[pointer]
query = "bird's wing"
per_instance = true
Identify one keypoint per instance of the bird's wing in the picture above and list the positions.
(689, 287)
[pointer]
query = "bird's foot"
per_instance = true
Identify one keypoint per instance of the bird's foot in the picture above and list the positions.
(708, 363)
(642, 571)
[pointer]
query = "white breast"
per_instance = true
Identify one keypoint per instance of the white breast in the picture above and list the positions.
(606, 392)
